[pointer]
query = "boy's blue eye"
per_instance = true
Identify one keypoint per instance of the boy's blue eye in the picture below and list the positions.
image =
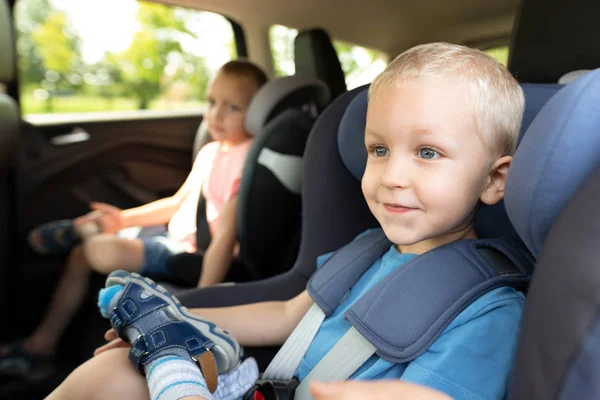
(380, 151)
(211, 102)
(427, 153)
(233, 107)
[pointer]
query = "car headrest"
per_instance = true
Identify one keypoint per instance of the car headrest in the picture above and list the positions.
(572, 76)
(490, 221)
(7, 50)
(351, 135)
(281, 93)
(314, 55)
(558, 152)
(549, 39)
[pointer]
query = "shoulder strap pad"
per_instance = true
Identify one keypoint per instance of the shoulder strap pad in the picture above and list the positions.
(337, 275)
(406, 312)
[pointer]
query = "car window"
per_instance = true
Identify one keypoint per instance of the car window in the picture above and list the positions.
(360, 64)
(148, 56)
(499, 53)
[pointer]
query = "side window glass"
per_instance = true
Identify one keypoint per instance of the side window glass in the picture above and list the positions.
(147, 56)
(360, 64)
(282, 49)
(499, 53)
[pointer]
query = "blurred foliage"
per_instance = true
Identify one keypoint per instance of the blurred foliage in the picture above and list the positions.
(153, 71)
(499, 53)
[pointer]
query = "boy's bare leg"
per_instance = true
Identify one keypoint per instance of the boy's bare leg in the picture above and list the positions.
(66, 301)
(72, 286)
(107, 253)
(69, 294)
(109, 375)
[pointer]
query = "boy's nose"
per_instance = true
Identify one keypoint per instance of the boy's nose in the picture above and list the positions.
(216, 113)
(396, 173)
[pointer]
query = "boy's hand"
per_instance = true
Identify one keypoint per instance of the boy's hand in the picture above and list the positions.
(108, 217)
(389, 389)
(114, 342)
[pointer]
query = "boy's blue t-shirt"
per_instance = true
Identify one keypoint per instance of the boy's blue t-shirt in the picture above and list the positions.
(471, 359)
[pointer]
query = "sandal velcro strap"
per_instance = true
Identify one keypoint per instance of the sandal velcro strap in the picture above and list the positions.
(176, 334)
(132, 307)
(157, 325)
(208, 366)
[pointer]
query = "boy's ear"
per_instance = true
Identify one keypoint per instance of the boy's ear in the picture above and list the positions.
(494, 188)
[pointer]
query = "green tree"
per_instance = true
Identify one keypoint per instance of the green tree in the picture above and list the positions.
(347, 58)
(58, 50)
(195, 74)
(29, 15)
(55, 46)
(282, 48)
(108, 80)
(143, 63)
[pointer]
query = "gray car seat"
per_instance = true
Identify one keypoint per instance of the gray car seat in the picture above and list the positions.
(559, 347)
(559, 351)
(280, 117)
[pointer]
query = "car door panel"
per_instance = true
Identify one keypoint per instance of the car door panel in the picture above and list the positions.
(139, 160)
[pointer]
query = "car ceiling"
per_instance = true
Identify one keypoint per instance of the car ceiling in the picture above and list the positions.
(388, 25)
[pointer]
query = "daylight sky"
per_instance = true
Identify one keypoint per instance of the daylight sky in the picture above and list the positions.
(109, 25)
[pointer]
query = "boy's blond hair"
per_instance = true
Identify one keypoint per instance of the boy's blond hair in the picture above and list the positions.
(497, 98)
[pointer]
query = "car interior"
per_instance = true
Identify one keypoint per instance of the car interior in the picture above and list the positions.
(300, 194)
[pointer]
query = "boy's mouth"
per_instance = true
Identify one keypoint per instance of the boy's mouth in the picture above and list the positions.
(216, 129)
(397, 208)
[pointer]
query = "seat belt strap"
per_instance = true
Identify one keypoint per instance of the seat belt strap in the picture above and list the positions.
(288, 358)
(343, 360)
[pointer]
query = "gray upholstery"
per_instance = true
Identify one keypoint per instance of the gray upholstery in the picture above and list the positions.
(7, 49)
(559, 330)
(9, 128)
(314, 55)
(559, 152)
(202, 137)
(272, 98)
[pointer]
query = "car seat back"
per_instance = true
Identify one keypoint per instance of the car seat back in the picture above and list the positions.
(558, 355)
(314, 55)
(550, 39)
(559, 351)
(280, 117)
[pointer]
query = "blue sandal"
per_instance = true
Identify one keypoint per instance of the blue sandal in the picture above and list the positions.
(157, 324)
(56, 238)
(17, 363)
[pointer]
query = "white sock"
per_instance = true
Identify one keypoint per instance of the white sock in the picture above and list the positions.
(169, 377)
(172, 378)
